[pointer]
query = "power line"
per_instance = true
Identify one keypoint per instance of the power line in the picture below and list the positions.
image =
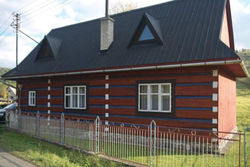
(37, 8)
(41, 10)
(1, 33)
(28, 20)
(4, 23)
(4, 37)
(28, 5)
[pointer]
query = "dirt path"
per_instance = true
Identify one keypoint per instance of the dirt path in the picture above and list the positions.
(8, 160)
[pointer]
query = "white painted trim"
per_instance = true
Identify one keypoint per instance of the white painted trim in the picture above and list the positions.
(215, 97)
(106, 96)
(106, 122)
(49, 97)
(215, 121)
(238, 61)
(215, 73)
(215, 109)
(48, 104)
(106, 86)
(215, 84)
(106, 77)
(215, 129)
(106, 106)
(48, 88)
(106, 115)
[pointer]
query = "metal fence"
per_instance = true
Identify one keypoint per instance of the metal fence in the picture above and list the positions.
(148, 145)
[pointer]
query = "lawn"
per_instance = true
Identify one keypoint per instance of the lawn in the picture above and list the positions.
(49, 155)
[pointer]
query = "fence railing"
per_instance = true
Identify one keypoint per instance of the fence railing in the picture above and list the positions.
(148, 145)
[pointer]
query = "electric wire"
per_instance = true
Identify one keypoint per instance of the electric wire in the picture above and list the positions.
(28, 20)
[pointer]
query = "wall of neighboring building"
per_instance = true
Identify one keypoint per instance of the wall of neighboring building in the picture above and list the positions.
(227, 102)
(195, 89)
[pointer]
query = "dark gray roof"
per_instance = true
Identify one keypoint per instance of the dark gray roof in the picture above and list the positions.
(190, 30)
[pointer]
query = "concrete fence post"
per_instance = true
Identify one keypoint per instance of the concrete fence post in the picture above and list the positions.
(19, 120)
(37, 123)
(152, 144)
(97, 134)
(62, 128)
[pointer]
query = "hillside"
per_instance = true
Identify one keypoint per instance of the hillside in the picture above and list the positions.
(3, 91)
(244, 82)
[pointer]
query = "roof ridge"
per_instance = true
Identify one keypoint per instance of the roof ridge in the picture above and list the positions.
(117, 14)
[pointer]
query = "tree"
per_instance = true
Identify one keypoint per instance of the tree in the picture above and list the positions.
(120, 7)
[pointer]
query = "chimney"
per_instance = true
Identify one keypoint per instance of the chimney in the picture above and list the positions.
(107, 30)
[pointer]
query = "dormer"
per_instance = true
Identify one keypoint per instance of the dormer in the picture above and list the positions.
(148, 31)
(49, 48)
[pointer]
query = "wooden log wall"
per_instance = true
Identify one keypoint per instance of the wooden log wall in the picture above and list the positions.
(195, 96)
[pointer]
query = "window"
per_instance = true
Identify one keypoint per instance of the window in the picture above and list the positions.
(146, 34)
(155, 97)
(32, 98)
(75, 97)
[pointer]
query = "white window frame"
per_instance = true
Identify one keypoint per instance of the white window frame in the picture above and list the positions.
(160, 94)
(78, 96)
(32, 98)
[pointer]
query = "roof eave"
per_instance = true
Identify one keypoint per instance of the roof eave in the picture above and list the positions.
(150, 67)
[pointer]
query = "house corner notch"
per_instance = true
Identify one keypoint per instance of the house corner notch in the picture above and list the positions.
(107, 30)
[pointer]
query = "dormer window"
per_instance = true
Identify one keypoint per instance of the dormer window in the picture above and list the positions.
(146, 34)
(49, 48)
(148, 31)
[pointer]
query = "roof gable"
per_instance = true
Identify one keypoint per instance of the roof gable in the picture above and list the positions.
(148, 31)
(49, 48)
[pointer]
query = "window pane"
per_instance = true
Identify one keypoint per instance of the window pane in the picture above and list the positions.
(154, 102)
(67, 90)
(165, 88)
(165, 103)
(146, 34)
(67, 101)
(75, 90)
(143, 89)
(74, 101)
(154, 89)
(82, 101)
(143, 102)
(82, 90)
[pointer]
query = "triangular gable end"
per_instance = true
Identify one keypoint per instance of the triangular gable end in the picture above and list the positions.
(45, 49)
(148, 31)
(49, 47)
(226, 34)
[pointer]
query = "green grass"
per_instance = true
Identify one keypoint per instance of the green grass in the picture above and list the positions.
(49, 155)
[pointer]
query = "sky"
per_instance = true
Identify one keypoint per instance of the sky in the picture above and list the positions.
(38, 17)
